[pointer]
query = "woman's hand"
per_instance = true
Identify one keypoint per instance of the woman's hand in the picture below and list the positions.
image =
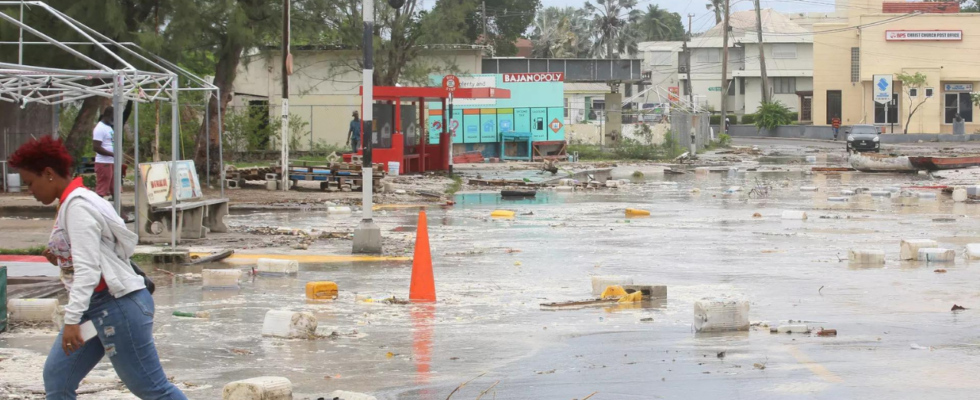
(50, 256)
(71, 339)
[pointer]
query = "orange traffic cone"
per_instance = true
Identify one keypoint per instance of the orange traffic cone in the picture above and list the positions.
(423, 284)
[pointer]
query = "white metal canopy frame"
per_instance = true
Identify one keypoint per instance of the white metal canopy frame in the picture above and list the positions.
(23, 84)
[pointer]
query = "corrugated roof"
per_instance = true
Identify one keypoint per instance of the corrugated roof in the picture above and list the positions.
(744, 21)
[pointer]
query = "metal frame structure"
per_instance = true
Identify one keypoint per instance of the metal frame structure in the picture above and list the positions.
(23, 84)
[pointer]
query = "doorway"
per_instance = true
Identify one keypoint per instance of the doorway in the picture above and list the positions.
(833, 105)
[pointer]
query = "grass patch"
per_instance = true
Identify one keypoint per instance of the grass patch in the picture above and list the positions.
(455, 186)
(142, 258)
(30, 251)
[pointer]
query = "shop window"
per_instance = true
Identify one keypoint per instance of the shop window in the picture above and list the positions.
(784, 85)
(892, 111)
(958, 103)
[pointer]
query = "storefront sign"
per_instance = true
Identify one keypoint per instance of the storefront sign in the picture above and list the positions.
(540, 77)
(476, 82)
(958, 87)
(883, 88)
(923, 35)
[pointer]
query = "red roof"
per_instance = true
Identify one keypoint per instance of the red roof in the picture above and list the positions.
(944, 7)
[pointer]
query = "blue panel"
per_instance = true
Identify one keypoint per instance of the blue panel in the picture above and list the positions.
(539, 124)
(505, 123)
(471, 128)
(556, 123)
(434, 127)
(457, 125)
(522, 120)
(488, 128)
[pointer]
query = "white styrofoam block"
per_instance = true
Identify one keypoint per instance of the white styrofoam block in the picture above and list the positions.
(973, 251)
(809, 188)
(612, 184)
(880, 193)
(600, 283)
(791, 214)
(866, 256)
(937, 255)
(721, 314)
(289, 324)
(33, 310)
(269, 266)
(221, 278)
(959, 195)
(910, 247)
(261, 388)
(344, 395)
(793, 328)
(926, 195)
(838, 199)
(339, 210)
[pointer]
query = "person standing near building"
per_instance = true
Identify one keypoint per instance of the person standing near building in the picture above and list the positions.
(105, 157)
(836, 124)
(354, 133)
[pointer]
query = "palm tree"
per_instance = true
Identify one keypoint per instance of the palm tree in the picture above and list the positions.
(610, 20)
(560, 33)
(718, 6)
(657, 24)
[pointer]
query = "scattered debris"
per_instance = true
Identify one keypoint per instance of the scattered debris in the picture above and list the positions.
(827, 332)
(940, 271)
(958, 308)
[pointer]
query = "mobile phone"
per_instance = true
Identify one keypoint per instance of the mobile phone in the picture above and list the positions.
(88, 330)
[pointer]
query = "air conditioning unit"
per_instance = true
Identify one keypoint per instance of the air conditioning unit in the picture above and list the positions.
(682, 69)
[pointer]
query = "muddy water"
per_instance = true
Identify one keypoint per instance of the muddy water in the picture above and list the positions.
(487, 319)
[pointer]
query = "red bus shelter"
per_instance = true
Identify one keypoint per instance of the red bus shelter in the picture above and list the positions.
(420, 156)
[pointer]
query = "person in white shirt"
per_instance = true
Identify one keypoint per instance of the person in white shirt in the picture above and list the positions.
(102, 141)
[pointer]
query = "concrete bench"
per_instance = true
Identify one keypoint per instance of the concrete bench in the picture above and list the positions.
(195, 215)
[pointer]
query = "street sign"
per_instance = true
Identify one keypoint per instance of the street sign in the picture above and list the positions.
(882, 88)
(958, 87)
(450, 83)
(714, 89)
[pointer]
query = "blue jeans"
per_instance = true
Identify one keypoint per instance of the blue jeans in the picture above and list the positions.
(125, 334)
(354, 139)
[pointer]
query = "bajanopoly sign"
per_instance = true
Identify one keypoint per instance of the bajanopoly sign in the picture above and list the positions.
(923, 35)
(538, 77)
(883, 88)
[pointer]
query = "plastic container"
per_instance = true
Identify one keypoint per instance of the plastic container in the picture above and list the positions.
(33, 310)
(221, 278)
(600, 283)
(809, 188)
(791, 214)
(635, 212)
(972, 252)
(720, 315)
(394, 168)
(271, 185)
(13, 183)
(959, 195)
(502, 214)
(268, 266)
(910, 248)
(793, 328)
(937, 255)
(613, 292)
(261, 388)
(321, 290)
(342, 395)
(289, 324)
(339, 210)
(866, 256)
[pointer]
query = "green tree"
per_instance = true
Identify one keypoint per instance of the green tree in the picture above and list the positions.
(561, 33)
(773, 114)
(718, 6)
(506, 21)
(657, 24)
(913, 83)
(611, 21)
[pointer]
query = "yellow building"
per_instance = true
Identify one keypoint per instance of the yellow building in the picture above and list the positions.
(889, 38)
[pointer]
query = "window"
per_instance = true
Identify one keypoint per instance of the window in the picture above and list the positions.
(913, 92)
(855, 64)
(660, 58)
(566, 107)
(958, 103)
(731, 87)
(709, 55)
(892, 111)
(741, 85)
(784, 50)
(929, 92)
(598, 105)
(784, 85)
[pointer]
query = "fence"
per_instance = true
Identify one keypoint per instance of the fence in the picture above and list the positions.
(688, 127)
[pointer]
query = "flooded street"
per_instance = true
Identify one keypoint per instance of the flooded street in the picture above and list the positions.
(897, 336)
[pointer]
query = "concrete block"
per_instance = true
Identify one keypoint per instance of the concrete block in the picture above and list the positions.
(790, 214)
(268, 266)
(271, 185)
(231, 184)
(973, 191)
(866, 256)
(650, 292)
(367, 239)
(600, 283)
(937, 255)
(289, 324)
(33, 310)
(973, 251)
(720, 315)
(261, 388)
(910, 248)
(221, 278)
(343, 395)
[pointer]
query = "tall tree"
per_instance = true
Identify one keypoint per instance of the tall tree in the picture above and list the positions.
(657, 24)
(506, 21)
(561, 33)
(610, 22)
(912, 84)
(718, 6)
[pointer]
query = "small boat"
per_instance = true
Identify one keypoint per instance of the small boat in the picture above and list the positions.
(941, 163)
(518, 193)
(873, 162)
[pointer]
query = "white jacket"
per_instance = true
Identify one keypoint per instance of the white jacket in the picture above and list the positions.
(101, 247)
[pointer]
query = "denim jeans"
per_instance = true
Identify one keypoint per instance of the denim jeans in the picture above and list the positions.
(125, 334)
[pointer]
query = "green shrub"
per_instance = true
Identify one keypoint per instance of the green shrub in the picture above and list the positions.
(716, 119)
(773, 114)
(749, 119)
(724, 140)
(795, 116)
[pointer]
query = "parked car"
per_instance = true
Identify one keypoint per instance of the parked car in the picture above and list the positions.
(863, 138)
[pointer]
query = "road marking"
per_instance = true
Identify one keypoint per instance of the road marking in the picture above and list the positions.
(817, 369)
(251, 258)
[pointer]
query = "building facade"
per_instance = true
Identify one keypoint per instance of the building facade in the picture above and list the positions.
(938, 42)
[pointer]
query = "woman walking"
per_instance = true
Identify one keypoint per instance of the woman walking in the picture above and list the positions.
(92, 247)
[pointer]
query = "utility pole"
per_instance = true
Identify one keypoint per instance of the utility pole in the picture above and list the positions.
(687, 55)
(724, 71)
(367, 235)
(762, 53)
(286, 70)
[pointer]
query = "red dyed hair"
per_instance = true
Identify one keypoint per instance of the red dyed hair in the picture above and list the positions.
(38, 154)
